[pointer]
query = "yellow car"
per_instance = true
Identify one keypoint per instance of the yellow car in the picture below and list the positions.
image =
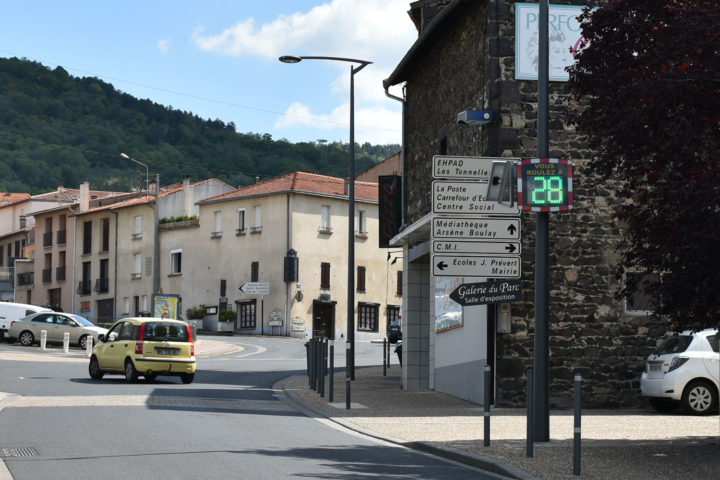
(145, 346)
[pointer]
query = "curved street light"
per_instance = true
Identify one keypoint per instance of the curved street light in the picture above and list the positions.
(350, 361)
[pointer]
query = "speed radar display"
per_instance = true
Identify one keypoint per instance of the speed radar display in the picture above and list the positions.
(545, 184)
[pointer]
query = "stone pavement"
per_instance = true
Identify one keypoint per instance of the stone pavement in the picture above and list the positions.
(617, 444)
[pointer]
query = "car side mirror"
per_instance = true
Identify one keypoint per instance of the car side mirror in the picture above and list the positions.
(101, 337)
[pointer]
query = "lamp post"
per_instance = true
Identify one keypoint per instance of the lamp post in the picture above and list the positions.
(147, 174)
(351, 200)
(156, 222)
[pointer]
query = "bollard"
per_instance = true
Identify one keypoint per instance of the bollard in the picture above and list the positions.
(312, 363)
(318, 363)
(529, 450)
(332, 369)
(486, 407)
(323, 365)
(384, 357)
(43, 339)
(66, 342)
(347, 376)
(576, 430)
(89, 345)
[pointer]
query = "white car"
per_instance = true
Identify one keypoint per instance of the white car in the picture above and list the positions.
(28, 330)
(684, 370)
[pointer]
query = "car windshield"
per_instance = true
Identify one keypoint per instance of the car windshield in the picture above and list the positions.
(677, 344)
(82, 320)
(166, 331)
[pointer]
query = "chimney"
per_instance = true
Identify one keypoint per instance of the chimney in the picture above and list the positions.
(84, 196)
(187, 196)
(23, 221)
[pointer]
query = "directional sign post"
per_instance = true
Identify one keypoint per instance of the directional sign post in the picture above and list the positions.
(470, 246)
(471, 228)
(455, 196)
(487, 266)
(255, 288)
(483, 293)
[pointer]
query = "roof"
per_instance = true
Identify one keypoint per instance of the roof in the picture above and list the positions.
(300, 182)
(8, 198)
(400, 73)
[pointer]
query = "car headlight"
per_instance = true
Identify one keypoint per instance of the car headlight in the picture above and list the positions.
(677, 362)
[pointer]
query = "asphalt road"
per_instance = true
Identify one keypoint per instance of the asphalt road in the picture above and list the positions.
(229, 423)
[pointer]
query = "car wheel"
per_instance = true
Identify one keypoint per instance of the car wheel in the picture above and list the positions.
(131, 374)
(94, 369)
(82, 342)
(187, 377)
(26, 338)
(663, 405)
(700, 398)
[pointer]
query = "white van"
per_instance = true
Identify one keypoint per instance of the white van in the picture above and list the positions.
(9, 312)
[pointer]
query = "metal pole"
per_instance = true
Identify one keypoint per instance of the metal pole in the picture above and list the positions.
(323, 365)
(529, 446)
(384, 357)
(576, 430)
(542, 412)
(347, 376)
(156, 241)
(351, 232)
(332, 369)
(486, 406)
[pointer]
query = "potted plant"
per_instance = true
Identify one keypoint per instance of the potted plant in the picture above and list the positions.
(227, 321)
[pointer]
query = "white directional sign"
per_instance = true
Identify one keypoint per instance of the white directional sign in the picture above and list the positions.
(457, 197)
(255, 288)
(476, 266)
(476, 228)
(470, 246)
(467, 168)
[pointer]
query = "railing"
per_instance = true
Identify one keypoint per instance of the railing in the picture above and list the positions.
(60, 273)
(102, 285)
(240, 231)
(324, 229)
(84, 287)
(47, 239)
(47, 275)
(61, 236)
(26, 279)
(255, 229)
(216, 234)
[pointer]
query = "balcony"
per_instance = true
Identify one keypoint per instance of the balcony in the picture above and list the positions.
(47, 239)
(255, 230)
(47, 275)
(84, 287)
(26, 279)
(240, 231)
(60, 274)
(102, 285)
(325, 229)
(216, 234)
(61, 237)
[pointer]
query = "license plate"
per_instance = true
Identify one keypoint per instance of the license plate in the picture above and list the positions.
(167, 351)
(655, 367)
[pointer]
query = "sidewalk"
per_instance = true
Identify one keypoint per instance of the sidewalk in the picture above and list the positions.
(617, 444)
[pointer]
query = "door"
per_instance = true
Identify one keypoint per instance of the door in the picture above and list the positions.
(324, 319)
(111, 352)
(710, 356)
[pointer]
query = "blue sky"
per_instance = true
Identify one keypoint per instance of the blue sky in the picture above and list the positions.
(219, 58)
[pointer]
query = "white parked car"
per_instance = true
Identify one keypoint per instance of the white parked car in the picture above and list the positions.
(684, 370)
(28, 330)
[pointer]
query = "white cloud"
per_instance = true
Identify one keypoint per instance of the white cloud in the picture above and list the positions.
(164, 45)
(374, 30)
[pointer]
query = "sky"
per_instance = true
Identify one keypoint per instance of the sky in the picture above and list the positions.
(218, 59)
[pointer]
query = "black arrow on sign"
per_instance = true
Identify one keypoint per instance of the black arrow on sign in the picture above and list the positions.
(510, 248)
(442, 265)
(511, 228)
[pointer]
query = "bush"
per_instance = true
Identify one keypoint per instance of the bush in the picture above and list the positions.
(227, 315)
(195, 313)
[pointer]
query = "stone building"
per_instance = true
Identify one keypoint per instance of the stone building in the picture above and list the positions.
(465, 58)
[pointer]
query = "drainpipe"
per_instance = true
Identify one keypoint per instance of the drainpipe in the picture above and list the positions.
(288, 246)
(115, 284)
(402, 153)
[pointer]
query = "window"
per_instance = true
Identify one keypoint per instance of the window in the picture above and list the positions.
(218, 226)
(324, 275)
(361, 230)
(392, 313)
(360, 279)
(247, 314)
(102, 284)
(254, 271)
(137, 271)
(640, 302)
(87, 238)
(48, 234)
(241, 222)
(176, 261)
(105, 235)
(126, 311)
(62, 229)
(325, 219)
(368, 316)
(137, 232)
(258, 220)
(399, 290)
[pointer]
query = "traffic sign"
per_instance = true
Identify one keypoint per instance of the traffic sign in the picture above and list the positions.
(255, 288)
(482, 293)
(488, 266)
(469, 246)
(458, 197)
(545, 184)
(468, 168)
(468, 228)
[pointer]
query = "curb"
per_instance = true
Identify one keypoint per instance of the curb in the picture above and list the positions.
(504, 469)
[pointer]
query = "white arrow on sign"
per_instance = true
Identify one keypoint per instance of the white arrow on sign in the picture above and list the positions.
(255, 288)
(468, 228)
(485, 247)
(454, 197)
(476, 266)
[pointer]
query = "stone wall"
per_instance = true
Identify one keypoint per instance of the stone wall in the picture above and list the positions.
(470, 64)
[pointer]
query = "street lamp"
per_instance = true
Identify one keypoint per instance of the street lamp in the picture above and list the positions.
(147, 174)
(351, 200)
